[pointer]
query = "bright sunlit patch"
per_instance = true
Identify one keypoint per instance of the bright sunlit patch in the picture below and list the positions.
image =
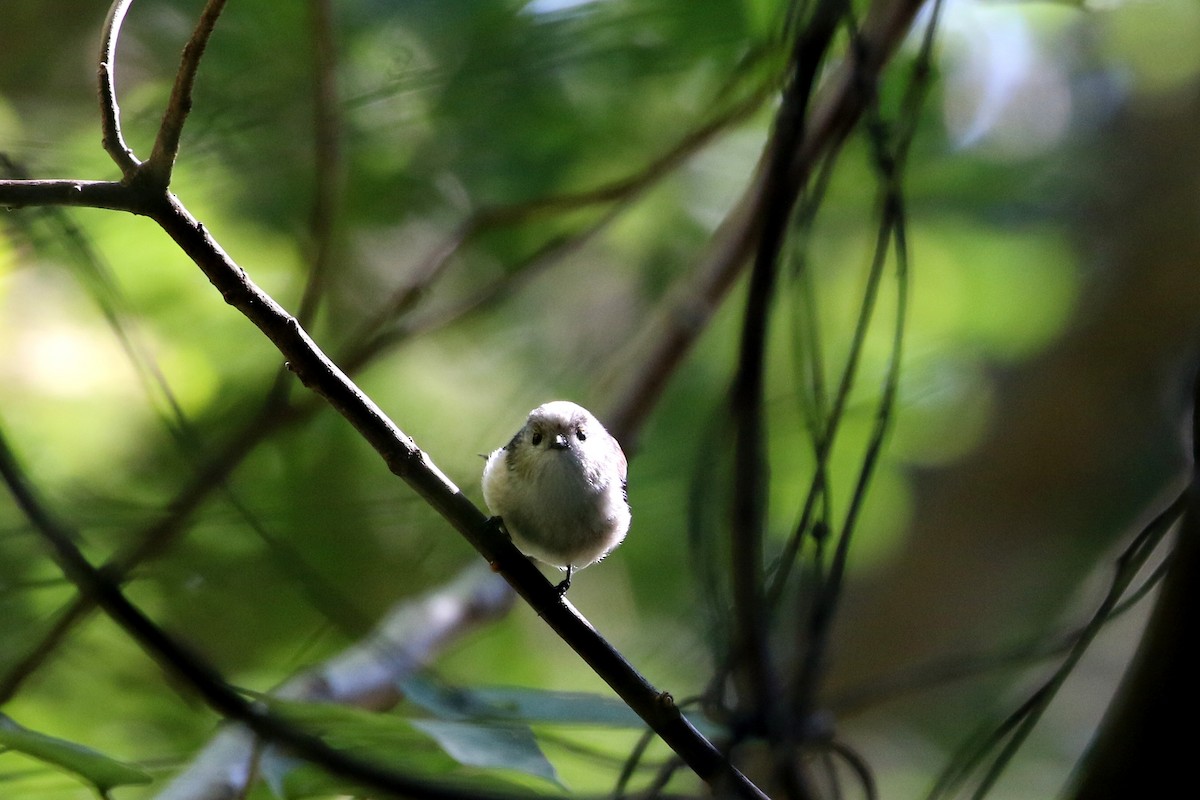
(54, 347)
(1005, 89)
(66, 361)
(49, 345)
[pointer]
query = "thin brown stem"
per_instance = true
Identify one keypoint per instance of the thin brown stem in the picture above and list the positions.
(81, 194)
(623, 188)
(166, 144)
(110, 111)
(552, 252)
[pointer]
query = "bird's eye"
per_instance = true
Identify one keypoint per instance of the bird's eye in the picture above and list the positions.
(536, 439)
(580, 435)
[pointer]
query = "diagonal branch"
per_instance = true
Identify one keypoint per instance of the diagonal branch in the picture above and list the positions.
(402, 456)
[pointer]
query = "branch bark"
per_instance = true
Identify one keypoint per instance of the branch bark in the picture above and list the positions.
(110, 111)
(166, 145)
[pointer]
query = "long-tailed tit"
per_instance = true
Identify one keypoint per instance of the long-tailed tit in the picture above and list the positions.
(559, 487)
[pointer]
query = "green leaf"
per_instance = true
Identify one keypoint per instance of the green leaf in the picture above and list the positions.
(89, 765)
(571, 708)
(365, 733)
(516, 703)
(424, 748)
(491, 746)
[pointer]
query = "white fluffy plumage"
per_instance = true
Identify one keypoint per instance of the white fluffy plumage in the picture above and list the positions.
(559, 486)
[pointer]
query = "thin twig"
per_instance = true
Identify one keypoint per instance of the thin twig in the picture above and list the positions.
(862, 770)
(891, 229)
(166, 144)
(81, 194)
(624, 188)
(110, 111)
(519, 274)
(815, 411)
(632, 762)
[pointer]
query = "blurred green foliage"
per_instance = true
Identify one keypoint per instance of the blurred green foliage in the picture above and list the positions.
(445, 110)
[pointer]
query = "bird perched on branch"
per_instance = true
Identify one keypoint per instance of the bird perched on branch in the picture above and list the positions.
(559, 487)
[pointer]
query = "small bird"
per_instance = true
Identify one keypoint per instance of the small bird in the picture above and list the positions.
(559, 487)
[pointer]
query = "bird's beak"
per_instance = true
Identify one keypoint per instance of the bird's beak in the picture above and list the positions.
(560, 442)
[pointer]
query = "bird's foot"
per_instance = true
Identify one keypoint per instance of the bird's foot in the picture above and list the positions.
(565, 584)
